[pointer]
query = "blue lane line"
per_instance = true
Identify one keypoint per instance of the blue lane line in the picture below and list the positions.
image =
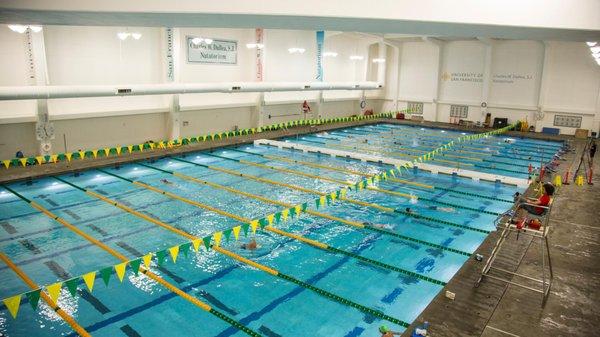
(298, 290)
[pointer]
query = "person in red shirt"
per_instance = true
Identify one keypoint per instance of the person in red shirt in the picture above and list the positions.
(544, 200)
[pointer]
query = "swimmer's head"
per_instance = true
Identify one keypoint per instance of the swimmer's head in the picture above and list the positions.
(408, 210)
(366, 223)
(383, 329)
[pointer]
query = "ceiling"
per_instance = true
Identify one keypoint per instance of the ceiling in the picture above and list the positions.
(506, 19)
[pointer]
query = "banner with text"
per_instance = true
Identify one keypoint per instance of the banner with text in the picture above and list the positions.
(217, 52)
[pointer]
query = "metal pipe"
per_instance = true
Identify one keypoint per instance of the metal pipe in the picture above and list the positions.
(73, 91)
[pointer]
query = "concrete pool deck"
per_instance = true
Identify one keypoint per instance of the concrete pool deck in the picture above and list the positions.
(496, 309)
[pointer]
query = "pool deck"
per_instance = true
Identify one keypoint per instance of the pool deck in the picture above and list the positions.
(496, 310)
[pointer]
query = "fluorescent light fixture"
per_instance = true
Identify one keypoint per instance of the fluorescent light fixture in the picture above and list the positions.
(378, 60)
(197, 40)
(591, 44)
(295, 50)
(123, 36)
(18, 28)
(208, 41)
(356, 57)
(598, 61)
(330, 54)
(596, 56)
(255, 45)
(35, 29)
(136, 36)
(595, 50)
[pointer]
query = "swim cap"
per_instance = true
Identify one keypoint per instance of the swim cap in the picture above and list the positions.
(383, 329)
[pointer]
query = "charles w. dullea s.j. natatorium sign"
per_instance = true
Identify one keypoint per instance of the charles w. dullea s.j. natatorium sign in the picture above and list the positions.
(218, 52)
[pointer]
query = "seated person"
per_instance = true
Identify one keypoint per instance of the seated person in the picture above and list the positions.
(544, 200)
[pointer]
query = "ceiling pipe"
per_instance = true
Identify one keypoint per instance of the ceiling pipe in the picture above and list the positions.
(67, 91)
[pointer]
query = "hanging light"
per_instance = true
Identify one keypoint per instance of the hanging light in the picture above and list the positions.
(378, 60)
(591, 44)
(595, 50)
(330, 54)
(295, 50)
(18, 28)
(356, 57)
(208, 41)
(35, 29)
(255, 45)
(123, 35)
(136, 36)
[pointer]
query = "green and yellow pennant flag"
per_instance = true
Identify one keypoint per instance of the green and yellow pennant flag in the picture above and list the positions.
(12, 304)
(174, 252)
(217, 237)
(236, 232)
(284, 214)
(34, 298)
(254, 226)
(54, 290)
(89, 279)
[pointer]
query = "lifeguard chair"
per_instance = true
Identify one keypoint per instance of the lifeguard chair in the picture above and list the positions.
(493, 271)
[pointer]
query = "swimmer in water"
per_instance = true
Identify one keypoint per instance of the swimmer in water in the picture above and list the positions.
(408, 210)
(383, 226)
(252, 245)
(365, 141)
(443, 209)
(166, 182)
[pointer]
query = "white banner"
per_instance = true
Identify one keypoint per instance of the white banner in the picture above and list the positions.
(218, 52)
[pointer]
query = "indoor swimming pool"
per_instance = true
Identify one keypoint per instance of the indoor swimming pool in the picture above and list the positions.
(373, 257)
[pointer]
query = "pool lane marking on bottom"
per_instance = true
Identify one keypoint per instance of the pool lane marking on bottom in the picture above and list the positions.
(392, 179)
(122, 258)
(264, 268)
(382, 208)
(59, 311)
(351, 223)
(276, 158)
(341, 182)
(315, 213)
(276, 231)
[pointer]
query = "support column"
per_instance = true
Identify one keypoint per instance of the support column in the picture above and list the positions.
(172, 54)
(398, 53)
(259, 74)
(487, 77)
(437, 88)
(38, 75)
(539, 114)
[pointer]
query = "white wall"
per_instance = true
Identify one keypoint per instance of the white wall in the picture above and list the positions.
(95, 56)
(519, 84)
(14, 70)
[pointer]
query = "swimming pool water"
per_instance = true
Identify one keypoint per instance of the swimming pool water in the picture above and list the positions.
(459, 211)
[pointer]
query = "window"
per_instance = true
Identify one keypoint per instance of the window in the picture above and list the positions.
(567, 121)
(460, 111)
(415, 108)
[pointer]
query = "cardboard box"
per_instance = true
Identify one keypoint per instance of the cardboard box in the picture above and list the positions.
(581, 133)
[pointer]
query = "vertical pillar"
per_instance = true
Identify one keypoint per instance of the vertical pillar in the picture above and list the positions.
(259, 73)
(438, 74)
(539, 114)
(172, 45)
(487, 77)
(38, 75)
